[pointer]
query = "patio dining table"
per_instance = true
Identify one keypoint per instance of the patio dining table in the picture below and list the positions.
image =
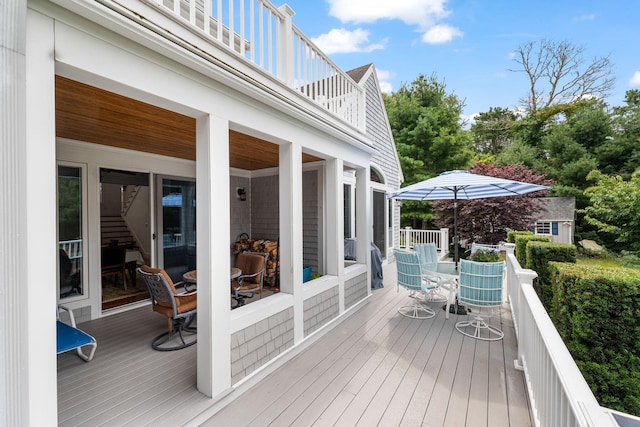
(192, 276)
(447, 275)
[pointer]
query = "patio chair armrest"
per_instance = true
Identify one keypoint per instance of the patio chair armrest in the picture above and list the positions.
(187, 294)
(244, 276)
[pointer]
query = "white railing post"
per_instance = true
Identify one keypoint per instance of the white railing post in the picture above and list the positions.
(524, 279)
(361, 111)
(407, 238)
(285, 54)
(444, 242)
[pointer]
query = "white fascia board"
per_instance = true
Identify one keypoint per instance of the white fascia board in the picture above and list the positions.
(260, 86)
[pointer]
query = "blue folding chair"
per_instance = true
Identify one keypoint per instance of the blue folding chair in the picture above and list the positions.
(71, 338)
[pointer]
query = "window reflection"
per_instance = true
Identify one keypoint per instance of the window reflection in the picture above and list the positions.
(70, 253)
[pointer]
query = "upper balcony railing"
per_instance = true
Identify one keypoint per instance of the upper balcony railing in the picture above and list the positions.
(258, 32)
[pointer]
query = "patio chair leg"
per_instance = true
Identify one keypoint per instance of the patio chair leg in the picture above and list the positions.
(479, 325)
(180, 326)
(417, 310)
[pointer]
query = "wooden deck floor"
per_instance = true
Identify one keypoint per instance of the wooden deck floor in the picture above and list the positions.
(375, 368)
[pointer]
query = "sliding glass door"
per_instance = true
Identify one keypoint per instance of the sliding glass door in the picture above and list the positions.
(177, 226)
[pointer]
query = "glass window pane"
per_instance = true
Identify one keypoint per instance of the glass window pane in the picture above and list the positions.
(70, 252)
(347, 210)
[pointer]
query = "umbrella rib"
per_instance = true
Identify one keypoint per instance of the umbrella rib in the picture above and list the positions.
(506, 189)
(427, 194)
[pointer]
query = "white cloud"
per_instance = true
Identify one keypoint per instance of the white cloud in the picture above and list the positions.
(383, 78)
(441, 34)
(341, 40)
(423, 13)
(635, 80)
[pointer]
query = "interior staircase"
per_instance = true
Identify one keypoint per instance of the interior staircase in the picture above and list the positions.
(114, 228)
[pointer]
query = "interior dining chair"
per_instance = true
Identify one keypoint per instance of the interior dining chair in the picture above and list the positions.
(251, 281)
(480, 287)
(180, 310)
(114, 262)
(410, 277)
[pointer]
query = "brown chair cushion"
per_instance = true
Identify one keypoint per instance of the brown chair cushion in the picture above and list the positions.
(250, 264)
(184, 302)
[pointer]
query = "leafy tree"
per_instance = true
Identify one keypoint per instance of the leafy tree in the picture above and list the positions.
(488, 220)
(567, 160)
(559, 74)
(426, 126)
(615, 207)
(519, 153)
(620, 154)
(492, 130)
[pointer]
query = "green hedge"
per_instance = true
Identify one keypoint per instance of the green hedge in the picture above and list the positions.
(538, 256)
(596, 311)
(521, 246)
(512, 235)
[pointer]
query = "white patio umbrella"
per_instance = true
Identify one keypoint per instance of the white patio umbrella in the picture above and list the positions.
(462, 185)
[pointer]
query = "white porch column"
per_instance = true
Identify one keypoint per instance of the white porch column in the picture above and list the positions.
(364, 220)
(334, 196)
(290, 190)
(14, 314)
(213, 262)
(33, 198)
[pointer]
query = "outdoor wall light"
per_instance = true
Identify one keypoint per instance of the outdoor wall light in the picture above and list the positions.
(241, 194)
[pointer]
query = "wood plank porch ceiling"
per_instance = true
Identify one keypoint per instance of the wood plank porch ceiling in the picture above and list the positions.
(87, 113)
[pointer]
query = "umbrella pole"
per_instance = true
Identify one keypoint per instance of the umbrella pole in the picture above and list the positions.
(455, 228)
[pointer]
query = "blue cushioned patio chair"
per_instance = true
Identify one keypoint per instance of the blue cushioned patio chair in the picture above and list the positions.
(71, 338)
(410, 277)
(428, 255)
(480, 287)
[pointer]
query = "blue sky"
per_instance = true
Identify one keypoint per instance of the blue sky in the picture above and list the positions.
(468, 44)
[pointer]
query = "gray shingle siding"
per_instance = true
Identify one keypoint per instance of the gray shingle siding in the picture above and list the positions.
(255, 345)
(378, 130)
(265, 212)
(320, 309)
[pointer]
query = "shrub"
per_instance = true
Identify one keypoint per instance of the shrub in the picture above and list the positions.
(538, 256)
(596, 312)
(512, 235)
(521, 246)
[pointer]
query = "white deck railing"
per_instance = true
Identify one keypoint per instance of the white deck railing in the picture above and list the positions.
(558, 392)
(73, 248)
(410, 237)
(258, 32)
